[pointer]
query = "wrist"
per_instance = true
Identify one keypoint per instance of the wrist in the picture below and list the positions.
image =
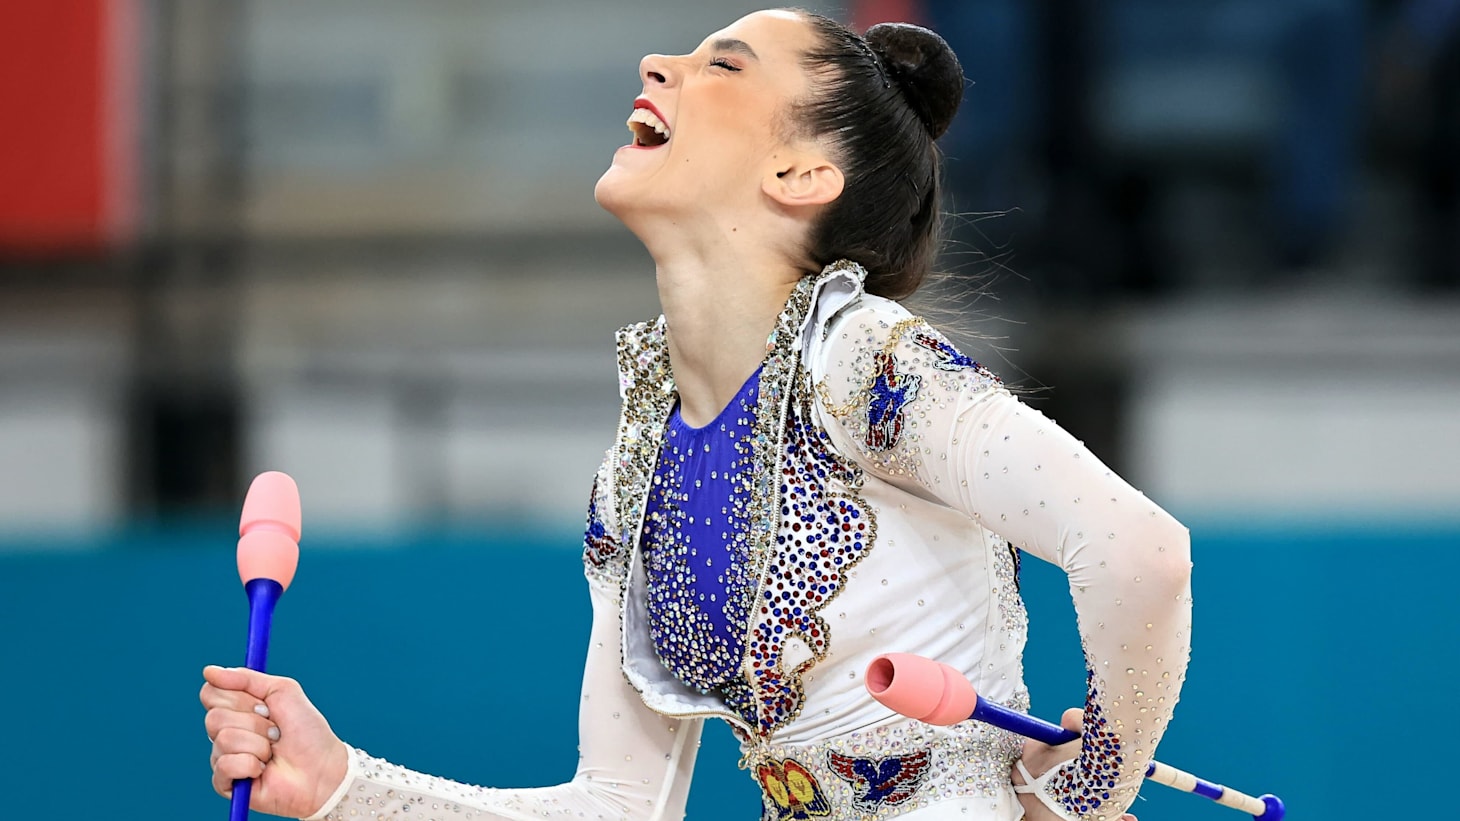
(334, 779)
(1034, 786)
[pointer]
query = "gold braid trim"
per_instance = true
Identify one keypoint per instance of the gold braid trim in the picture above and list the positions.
(856, 400)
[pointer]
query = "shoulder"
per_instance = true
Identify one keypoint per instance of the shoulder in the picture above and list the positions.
(881, 366)
(872, 334)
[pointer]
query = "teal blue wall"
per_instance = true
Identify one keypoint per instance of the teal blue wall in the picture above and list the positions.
(1323, 665)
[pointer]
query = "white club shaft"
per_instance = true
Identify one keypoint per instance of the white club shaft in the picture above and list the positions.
(1186, 782)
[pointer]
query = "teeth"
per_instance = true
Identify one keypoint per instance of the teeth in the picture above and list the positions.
(644, 116)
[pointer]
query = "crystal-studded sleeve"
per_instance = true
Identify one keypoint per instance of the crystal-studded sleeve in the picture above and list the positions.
(634, 764)
(914, 410)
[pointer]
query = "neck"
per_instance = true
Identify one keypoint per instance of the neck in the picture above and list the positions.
(720, 300)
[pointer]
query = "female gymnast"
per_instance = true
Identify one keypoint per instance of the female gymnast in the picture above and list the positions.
(804, 476)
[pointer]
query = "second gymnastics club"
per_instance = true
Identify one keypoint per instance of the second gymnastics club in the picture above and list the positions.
(934, 692)
(268, 554)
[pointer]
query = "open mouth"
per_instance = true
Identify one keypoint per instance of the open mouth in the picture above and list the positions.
(649, 131)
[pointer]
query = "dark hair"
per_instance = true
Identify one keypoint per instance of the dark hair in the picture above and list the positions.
(883, 99)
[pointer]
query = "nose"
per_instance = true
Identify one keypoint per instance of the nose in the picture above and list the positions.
(656, 69)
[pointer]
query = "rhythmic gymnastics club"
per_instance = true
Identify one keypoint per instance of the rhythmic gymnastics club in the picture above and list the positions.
(268, 554)
(936, 693)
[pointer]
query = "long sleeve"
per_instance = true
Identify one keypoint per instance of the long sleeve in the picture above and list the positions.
(634, 764)
(919, 414)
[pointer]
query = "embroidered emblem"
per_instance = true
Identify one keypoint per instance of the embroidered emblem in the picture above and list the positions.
(598, 545)
(883, 781)
(791, 791)
(949, 358)
(889, 394)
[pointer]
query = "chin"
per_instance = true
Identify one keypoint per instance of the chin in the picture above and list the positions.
(606, 193)
(618, 193)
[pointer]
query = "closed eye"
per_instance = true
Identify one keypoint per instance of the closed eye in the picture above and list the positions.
(721, 62)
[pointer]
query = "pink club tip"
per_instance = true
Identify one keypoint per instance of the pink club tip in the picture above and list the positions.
(921, 688)
(272, 503)
(269, 530)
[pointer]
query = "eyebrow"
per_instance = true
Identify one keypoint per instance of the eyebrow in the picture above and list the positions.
(738, 46)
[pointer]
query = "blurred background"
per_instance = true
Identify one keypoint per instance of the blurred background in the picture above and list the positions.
(355, 240)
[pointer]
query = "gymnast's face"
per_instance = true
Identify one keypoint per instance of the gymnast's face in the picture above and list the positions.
(711, 125)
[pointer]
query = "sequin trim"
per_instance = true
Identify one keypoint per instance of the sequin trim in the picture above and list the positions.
(1013, 617)
(968, 760)
(1084, 785)
(649, 394)
(822, 536)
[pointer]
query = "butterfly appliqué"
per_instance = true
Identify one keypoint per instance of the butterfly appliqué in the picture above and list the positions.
(883, 781)
(792, 791)
(889, 394)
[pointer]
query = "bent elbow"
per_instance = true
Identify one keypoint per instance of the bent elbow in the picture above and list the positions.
(1158, 561)
(1172, 562)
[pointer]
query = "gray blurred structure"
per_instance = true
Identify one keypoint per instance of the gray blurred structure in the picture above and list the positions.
(372, 259)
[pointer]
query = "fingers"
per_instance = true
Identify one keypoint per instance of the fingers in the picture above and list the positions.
(1073, 719)
(242, 746)
(233, 741)
(216, 698)
(238, 722)
(232, 767)
(241, 679)
(219, 719)
(241, 689)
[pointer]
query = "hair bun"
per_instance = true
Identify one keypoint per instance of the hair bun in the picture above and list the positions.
(924, 68)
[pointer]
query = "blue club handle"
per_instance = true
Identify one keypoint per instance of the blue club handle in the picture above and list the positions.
(263, 594)
(1021, 724)
(1053, 734)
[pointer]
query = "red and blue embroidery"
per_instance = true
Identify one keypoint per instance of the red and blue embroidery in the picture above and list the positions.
(889, 394)
(948, 358)
(822, 535)
(1084, 785)
(883, 781)
(791, 792)
(598, 546)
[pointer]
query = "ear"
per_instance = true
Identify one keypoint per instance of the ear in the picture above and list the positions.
(804, 179)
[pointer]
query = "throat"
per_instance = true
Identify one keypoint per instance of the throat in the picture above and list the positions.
(719, 321)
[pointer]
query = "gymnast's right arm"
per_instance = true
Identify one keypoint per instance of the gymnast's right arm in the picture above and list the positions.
(633, 762)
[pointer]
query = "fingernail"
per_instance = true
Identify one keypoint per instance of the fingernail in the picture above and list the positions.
(273, 733)
(261, 709)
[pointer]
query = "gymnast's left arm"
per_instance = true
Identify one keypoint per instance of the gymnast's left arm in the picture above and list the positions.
(940, 425)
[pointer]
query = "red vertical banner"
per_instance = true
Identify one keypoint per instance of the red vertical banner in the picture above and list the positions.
(868, 13)
(68, 108)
